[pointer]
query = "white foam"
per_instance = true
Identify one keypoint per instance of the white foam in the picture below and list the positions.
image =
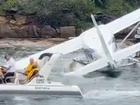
(20, 98)
(105, 94)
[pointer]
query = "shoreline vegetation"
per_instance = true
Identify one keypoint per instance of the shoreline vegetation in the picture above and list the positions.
(57, 18)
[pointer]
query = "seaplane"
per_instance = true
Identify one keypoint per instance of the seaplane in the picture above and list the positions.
(99, 38)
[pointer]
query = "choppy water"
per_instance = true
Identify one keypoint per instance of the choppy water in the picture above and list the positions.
(97, 88)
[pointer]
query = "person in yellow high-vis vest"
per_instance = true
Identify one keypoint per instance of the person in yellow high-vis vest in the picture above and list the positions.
(31, 69)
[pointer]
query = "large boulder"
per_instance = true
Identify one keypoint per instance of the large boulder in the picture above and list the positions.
(67, 31)
(48, 31)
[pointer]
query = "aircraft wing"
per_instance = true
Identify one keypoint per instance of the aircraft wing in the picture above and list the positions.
(96, 65)
(126, 52)
(102, 62)
(124, 21)
(64, 48)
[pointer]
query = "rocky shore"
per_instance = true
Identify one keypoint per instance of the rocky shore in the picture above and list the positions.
(40, 42)
(19, 26)
(29, 42)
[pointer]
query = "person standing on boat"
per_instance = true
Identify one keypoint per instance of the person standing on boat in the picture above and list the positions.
(9, 67)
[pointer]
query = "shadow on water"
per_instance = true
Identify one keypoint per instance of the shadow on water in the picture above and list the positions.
(111, 73)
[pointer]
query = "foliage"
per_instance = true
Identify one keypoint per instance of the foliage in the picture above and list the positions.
(7, 5)
(69, 12)
(134, 3)
(10, 4)
(118, 8)
(61, 12)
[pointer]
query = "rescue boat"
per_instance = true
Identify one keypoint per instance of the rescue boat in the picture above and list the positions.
(39, 85)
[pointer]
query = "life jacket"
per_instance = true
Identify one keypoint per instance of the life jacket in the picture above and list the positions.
(31, 71)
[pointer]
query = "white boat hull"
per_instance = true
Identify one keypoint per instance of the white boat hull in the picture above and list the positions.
(49, 89)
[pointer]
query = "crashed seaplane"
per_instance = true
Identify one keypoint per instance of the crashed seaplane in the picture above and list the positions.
(99, 38)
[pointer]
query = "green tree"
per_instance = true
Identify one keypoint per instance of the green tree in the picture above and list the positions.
(7, 5)
(69, 12)
(118, 8)
(134, 3)
(60, 12)
(100, 3)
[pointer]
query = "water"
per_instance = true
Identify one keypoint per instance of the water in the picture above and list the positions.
(18, 53)
(98, 88)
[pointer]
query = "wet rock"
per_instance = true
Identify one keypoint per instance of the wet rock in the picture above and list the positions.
(48, 31)
(68, 31)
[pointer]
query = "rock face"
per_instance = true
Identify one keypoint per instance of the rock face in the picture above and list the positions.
(13, 28)
(20, 19)
(3, 20)
(19, 26)
(6, 31)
